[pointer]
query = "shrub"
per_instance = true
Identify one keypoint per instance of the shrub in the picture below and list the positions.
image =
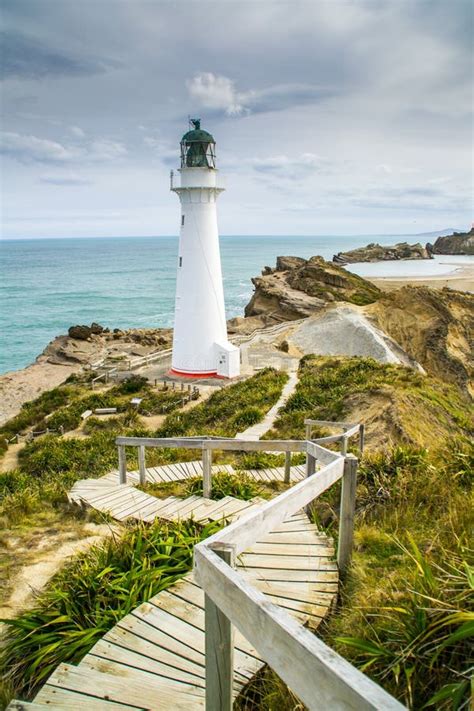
(223, 484)
(420, 644)
(132, 384)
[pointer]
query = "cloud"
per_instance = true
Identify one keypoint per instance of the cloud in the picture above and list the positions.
(31, 149)
(105, 149)
(219, 93)
(65, 180)
(77, 131)
(27, 58)
(285, 166)
(216, 92)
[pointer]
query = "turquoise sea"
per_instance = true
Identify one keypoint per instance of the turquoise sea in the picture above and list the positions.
(49, 284)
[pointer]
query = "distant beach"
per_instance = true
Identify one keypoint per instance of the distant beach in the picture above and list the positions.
(50, 284)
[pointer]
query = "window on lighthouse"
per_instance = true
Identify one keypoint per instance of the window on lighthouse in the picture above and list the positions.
(180, 261)
(182, 220)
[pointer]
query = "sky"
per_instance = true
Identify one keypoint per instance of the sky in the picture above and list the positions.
(330, 116)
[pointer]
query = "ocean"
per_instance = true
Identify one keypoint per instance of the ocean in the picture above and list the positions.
(48, 285)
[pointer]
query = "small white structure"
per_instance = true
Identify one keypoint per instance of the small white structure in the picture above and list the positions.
(200, 344)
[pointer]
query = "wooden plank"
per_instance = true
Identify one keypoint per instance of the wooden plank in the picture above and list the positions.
(141, 694)
(285, 562)
(53, 697)
(295, 550)
(279, 638)
(113, 659)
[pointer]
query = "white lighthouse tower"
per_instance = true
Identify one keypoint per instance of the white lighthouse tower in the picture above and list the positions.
(200, 345)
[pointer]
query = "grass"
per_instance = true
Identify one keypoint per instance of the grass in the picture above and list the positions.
(90, 595)
(229, 410)
(408, 407)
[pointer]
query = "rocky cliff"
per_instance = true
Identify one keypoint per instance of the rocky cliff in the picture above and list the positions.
(379, 253)
(298, 287)
(457, 243)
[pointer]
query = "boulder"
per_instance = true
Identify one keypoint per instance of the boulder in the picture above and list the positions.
(80, 333)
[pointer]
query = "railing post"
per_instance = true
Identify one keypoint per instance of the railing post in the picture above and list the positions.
(219, 645)
(308, 431)
(206, 472)
(310, 469)
(141, 464)
(287, 467)
(122, 464)
(346, 514)
(361, 438)
(344, 441)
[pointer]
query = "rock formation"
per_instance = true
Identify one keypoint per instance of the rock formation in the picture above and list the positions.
(457, 243)
(379, 253)
(435, 327)
(301, 287)
(87, 344)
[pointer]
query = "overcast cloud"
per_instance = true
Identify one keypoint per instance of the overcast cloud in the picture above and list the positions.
(331, 116)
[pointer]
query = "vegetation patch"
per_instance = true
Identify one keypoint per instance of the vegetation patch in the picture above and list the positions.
(229, 410)
(238, 485)
(396, 403)
(90, 595)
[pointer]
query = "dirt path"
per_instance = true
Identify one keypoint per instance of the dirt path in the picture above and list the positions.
(50, 554)
(10, 458)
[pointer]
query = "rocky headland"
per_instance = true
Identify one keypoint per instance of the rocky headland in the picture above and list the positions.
(433, 327)
(457, 243)
(379, 253)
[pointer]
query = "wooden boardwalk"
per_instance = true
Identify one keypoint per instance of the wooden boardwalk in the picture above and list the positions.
(154, 657)
(124, 501)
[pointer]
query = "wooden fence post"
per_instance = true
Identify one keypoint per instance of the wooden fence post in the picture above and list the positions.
(206, 472)
(361, 438)
(310, 469)
(287, 467)
(219, 645)
(308, 431)
(346, 514)
(344, 441)
(141, 464)
(122, 464)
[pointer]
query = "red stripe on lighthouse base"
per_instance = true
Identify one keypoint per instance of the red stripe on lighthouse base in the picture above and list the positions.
(191, 374)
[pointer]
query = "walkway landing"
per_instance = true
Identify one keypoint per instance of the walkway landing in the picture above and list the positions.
(153, 659)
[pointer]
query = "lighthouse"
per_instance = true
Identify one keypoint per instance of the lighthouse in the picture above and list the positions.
(200, 345)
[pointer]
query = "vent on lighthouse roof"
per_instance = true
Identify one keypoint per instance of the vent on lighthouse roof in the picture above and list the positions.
(198, 148)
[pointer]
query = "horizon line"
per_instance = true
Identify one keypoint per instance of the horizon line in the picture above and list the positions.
(245, 236)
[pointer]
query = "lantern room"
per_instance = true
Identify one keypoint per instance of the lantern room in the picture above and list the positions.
(198, 148)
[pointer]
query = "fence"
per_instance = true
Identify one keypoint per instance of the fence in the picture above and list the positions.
(319, 676)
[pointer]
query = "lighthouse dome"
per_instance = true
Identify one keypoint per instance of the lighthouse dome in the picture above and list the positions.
(198, 148)
(197, 134)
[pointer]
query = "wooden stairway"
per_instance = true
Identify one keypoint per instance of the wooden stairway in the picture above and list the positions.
(154, 657)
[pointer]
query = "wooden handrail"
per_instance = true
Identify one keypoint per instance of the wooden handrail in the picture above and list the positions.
(317, 674)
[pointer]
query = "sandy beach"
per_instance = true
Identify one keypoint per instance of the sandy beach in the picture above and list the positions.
(461, 279)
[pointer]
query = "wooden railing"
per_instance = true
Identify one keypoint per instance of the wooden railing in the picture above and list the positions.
(319, 676)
